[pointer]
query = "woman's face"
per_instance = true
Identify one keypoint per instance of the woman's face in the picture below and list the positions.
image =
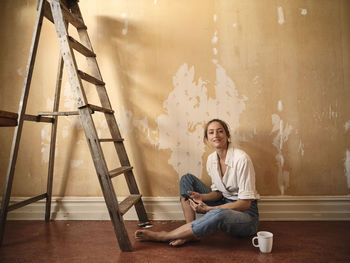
(217, 137)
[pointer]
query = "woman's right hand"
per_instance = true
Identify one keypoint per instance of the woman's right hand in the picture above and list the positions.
(196, 196)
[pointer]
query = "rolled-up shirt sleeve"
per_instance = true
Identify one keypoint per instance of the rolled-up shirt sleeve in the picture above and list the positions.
(246, 179)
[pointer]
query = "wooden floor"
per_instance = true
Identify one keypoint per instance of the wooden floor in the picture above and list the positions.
(94, 241)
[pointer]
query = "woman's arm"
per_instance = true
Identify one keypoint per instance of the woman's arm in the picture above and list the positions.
(239, 205)
(212, 196)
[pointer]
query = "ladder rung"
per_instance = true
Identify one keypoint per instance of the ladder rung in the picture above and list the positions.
(38, 118)
(97, 108)
(75, 21)
(26, 202)
(90, 78)
(80, 48)
(58, 113)
(111, 140)
(128, 202)
(119, 171)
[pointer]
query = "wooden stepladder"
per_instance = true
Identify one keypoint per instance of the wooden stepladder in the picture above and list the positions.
(62, 13)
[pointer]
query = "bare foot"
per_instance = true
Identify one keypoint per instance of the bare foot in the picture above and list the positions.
(181, 241)
(177, 242)
(147, 235)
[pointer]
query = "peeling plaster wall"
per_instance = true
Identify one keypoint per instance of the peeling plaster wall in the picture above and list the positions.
(276, 71)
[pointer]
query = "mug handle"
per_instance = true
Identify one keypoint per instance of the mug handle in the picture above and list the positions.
(253, 242)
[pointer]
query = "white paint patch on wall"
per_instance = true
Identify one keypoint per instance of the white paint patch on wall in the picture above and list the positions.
(301, 148)
(331, 113)
(126, 24)
(102, 128)
(143, 125)
(347, 125)
(49, 104)
(280, 106)
(188, 108)
(215, 18)
(214, 40)
(347, 166)
(65, 132)
(76, 163)
(70, 104)
(282, 133)
(20, 71)
(124, 120)
(280, 15)
(303, 11)
(45, 144)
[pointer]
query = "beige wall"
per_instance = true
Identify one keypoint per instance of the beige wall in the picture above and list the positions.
(276, 71)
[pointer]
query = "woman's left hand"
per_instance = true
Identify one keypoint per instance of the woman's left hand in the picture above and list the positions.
(200, 208)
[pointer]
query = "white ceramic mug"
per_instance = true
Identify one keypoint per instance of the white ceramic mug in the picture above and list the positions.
(265, 241)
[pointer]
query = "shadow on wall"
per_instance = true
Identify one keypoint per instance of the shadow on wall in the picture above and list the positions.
(118, 49)
(264, 162)
(74, 137)
(61, 190)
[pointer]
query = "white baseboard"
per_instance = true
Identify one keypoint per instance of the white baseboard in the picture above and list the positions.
(271, 208)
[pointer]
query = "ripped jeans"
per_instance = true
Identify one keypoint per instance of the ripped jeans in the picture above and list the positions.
(235, 223)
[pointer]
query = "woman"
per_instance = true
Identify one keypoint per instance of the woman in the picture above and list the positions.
(231, 203)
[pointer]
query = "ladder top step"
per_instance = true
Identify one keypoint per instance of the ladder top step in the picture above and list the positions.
(120, 170)
(128, 202)
(72, 18)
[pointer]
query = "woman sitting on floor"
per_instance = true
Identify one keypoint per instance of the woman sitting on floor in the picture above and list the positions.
(231, 203)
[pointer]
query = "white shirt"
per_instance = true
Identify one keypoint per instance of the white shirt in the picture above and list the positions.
(238, 181)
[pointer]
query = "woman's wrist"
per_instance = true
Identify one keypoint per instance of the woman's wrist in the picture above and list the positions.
(209, 208)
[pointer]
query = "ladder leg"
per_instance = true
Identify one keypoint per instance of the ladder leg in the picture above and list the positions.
(139, 207)
(111, 121)
(18, 129)
(104, 179)
(75, 76)
(116, 218)
(53, 140)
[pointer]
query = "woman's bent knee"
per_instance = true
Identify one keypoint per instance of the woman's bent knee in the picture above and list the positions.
(186, 177)
(186, 183)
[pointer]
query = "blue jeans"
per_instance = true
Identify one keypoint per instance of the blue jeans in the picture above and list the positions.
(235, 223)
